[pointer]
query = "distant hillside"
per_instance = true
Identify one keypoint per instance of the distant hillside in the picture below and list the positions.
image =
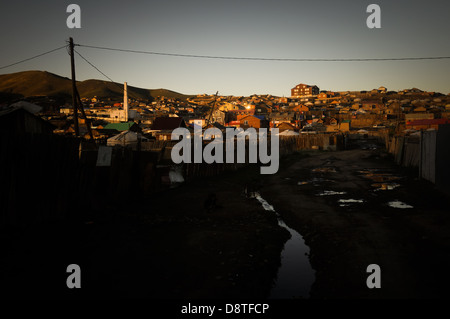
(37, 83)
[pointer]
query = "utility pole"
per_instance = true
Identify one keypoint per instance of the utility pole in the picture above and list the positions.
(87, 121)
(76, 100)
(74, 88)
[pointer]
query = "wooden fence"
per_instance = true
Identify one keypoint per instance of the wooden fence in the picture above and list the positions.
(54, 178)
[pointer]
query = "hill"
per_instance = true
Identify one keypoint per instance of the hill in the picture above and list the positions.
(41, 83)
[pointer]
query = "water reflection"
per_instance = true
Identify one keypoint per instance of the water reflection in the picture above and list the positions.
(295, 275)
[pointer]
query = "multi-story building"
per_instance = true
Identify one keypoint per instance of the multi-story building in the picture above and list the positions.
(302, 90)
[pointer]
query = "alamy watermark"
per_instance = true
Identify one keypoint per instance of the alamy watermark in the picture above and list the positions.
(74, 19)
(74, 279)
(374, 19)
(374, 279)
(214, 151)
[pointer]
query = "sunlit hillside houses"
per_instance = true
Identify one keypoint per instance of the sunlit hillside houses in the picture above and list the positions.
(307, 110)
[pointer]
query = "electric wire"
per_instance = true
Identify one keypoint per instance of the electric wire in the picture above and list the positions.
(264, 59)
(33, 57)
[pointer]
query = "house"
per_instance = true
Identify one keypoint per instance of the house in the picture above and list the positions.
(390, 111)
(132, 126)
(369, 105)
(426, 124)
(218, 116)
(344, 126)
(301, 108)
(331, 124)
(234, 114)
(168, 123)
(322, 96)
(162, 127)
(344, 110)
(285, 126)
(394, 107)
(277, 118)
(225, 107)
(256, 121)
(236, 124)
(302, 90)
(262, 109)
(420, 109)
(418, 116)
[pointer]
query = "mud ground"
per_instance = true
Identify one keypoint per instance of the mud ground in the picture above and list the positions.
(411, 245)
(178, 244)
(171, 246)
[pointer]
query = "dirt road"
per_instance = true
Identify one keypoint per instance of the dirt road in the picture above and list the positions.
(339, 202)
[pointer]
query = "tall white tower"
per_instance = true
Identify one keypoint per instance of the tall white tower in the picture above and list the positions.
(125, 101)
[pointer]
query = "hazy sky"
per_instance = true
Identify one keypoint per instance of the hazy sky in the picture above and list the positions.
(271, 29)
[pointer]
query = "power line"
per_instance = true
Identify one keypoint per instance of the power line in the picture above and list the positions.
(94, 67)
(264, 59)
(91, 64)
(34, 57)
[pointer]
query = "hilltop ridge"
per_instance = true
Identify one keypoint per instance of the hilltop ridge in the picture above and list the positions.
(42, 83)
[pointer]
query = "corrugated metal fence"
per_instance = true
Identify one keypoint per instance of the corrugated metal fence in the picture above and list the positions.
(429, 152)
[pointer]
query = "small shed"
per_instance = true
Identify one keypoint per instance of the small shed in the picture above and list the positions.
(17, 119)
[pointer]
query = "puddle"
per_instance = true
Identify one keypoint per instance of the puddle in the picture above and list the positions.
(295, 275)
(385, 186)
(331, 193)
(399, 204)
(349, 202)
(346, 201)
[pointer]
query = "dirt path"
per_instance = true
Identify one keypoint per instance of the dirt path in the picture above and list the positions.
(410, 245)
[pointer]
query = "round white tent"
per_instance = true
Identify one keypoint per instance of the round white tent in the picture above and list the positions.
(126, 138)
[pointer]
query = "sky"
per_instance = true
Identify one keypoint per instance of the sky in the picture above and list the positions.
(268, 29)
